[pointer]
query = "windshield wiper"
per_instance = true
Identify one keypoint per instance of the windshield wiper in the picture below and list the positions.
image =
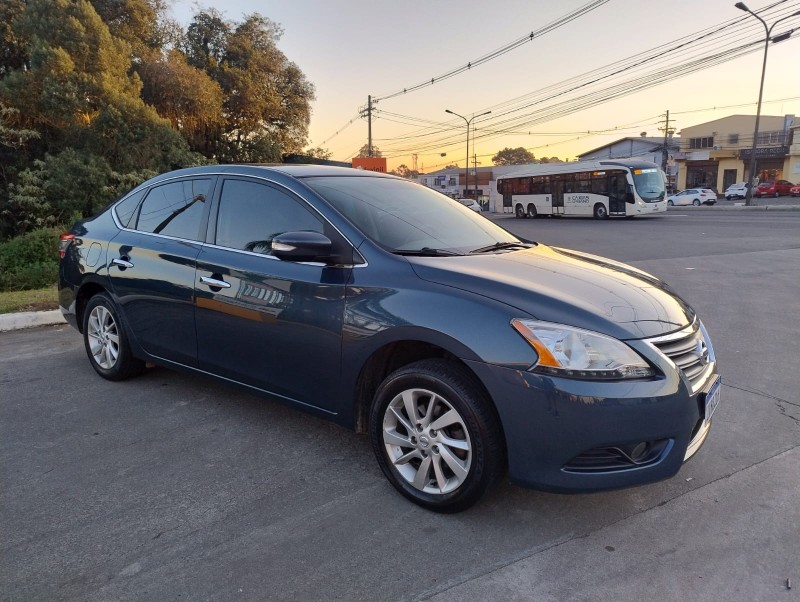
(502, 245)
(425, 252)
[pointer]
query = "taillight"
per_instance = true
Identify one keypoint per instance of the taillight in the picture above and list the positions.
(63, 242)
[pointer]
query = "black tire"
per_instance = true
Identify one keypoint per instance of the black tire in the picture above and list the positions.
(532, 211)
(106, 342)
(443, 386)
(519, 211)
(670, 204)
(600, 211)
(696, 202)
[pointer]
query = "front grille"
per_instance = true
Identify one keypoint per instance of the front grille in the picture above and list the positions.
(689, 351)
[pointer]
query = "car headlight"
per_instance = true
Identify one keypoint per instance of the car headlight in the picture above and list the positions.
(575, 353)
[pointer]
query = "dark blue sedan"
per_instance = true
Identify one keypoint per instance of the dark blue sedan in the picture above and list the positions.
(463, 351)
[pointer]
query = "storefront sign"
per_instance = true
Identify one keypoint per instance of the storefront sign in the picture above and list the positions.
(698, 156)
(768, 152)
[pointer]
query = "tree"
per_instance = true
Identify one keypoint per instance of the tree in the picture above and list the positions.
(513, 156)
(15, 50)
(364, 151)
(143, 24)
(78, 92)
(318, 153)
(187, 96)
(451, 166)
(267, 99)
(550, 160)
(404, 172)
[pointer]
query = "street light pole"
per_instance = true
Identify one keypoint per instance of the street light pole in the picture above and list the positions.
(466, 164)
(742, 6)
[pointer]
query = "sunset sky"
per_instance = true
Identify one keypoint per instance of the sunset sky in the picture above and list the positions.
(350, 49)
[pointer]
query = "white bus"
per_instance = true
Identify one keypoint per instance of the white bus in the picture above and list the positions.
(623, 187)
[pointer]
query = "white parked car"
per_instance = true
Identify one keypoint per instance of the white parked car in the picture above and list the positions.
(693, 196)
(736, 191)
(471, 204)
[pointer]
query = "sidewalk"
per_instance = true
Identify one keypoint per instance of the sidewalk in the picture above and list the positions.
(30, 319)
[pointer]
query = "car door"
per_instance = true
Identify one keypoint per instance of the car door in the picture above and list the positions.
(262, 321)
(152, 267)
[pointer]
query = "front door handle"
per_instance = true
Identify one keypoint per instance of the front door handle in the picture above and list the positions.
(121, 263)
(214, 283)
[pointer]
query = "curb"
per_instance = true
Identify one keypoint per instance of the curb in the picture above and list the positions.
(30, 319)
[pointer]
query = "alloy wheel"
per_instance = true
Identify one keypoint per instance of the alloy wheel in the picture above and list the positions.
(103, 337)
(427, 441)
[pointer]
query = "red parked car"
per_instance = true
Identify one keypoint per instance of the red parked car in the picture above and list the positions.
(795, 190)
(776, 188)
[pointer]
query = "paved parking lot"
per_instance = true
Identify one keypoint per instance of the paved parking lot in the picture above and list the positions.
(170, 487)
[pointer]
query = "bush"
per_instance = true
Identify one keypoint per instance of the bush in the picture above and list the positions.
(29, 261)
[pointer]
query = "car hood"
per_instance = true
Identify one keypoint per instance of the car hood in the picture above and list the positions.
(566, 287)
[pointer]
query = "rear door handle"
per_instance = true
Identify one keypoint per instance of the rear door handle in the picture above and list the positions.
(121, 263)
(214, 283)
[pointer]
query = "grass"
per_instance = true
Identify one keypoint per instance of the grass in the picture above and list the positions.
(35, 300)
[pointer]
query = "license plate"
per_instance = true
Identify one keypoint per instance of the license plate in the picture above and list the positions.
(712, 398)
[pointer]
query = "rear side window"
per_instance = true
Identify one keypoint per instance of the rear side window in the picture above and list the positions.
(126, 208)
(175, 209)
(251, 214)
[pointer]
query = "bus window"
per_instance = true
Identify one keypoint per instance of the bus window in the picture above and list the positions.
(600, 184)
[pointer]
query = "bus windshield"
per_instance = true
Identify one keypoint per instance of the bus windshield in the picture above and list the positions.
(649, 184)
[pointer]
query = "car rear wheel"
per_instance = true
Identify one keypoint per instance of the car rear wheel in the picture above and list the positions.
(106, 342)
(436, 436)
(519, 211)
(670, 203)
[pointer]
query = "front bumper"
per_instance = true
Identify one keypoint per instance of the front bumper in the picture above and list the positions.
(568, 435)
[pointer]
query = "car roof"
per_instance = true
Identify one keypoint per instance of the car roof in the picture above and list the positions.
(253, 169)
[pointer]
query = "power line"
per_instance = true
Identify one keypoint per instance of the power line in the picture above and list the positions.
(644, 81)
(561, 21)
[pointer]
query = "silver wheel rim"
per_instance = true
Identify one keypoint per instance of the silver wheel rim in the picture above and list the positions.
(601, 211)
(427, 441)
(103, 336)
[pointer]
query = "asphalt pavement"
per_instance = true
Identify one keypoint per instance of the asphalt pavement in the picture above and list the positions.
(170, 487)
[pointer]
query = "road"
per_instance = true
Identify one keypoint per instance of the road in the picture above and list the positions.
(169, 487)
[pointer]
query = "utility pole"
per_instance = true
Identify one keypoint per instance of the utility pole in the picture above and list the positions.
(369, 125)
(475, 168)
(665, 149)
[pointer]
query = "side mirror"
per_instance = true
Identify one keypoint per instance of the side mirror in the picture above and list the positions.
(629, 198)
(302, 246)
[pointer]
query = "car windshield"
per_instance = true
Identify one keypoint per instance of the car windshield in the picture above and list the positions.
(406, 217)
(649, 184)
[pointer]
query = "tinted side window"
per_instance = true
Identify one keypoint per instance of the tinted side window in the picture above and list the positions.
(127, 208)
(252, 214)
(175, 209)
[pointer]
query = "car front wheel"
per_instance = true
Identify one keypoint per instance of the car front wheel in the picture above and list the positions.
(106, 342)
(696, 202)
(436, 436)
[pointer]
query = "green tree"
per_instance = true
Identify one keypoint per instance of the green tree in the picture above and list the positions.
(404, 172)
(15, 50)
(513, 156)
(318, 153)
(187, 97)
(143, 24)
(364, 151)
(78, 91)
(267, 99)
